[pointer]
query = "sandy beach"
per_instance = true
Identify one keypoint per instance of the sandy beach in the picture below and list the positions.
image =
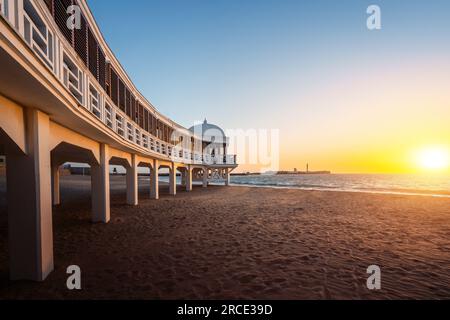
(243, 243)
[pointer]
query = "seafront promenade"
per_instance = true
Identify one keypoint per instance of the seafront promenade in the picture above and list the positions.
(64, 97)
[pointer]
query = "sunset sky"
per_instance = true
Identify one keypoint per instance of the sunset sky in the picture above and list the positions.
(344, 98)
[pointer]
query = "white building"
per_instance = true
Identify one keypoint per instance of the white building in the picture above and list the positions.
(64, 97)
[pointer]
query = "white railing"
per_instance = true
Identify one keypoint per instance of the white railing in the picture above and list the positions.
(231, 159)
(42, 35)
(207, 159)
(109, 116)
(120, 128)
(130, 132)
(152, 144)
(73, 78)
(95, 101)
(37, 34)
(137, 136)
(145, 141)
(4, 8)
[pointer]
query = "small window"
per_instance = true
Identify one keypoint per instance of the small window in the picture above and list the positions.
(94, 102)
(130, 132)
(145, 141)
(119, 124)
(108, 115)
(138, 137)
(152, 144)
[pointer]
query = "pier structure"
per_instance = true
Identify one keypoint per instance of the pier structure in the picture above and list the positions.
(64, 97)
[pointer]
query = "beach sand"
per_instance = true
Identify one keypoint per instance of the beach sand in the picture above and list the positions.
(243, 243)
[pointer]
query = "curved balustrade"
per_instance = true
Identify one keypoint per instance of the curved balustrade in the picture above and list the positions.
(35, 25)
(4, 8)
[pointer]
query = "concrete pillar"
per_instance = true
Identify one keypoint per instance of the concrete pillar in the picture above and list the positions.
(184, 177)
(173, 180)
(55, 185)
(205, 177)
(30, 203)
(154, 180)
(100, 187)
(227, 176)
(132, 182)
(188, 179)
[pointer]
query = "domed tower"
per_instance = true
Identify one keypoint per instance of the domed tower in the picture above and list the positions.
(214, 141)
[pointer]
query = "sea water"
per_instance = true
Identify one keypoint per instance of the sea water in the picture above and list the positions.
(434, 185)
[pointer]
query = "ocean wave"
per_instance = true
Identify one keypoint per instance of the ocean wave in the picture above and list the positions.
(385, 184)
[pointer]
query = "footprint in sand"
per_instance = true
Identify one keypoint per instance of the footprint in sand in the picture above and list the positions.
(247, 278)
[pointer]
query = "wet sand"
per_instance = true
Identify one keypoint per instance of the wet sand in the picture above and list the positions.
(243, 243)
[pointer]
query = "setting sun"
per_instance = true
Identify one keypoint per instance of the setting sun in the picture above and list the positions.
(433, 158)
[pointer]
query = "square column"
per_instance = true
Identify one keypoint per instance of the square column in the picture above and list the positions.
(173, 180)
(227, 176)
(30, 203)
(100, 187)
(55, 185)
(183, 177)
(188, 179)
(205, 177)
(132, 182)
(154, 180)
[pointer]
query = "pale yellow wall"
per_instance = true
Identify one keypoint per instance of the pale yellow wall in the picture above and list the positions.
(115, 153)
(60, 134)
(12, 121)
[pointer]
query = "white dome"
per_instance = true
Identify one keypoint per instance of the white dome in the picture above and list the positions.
(209, 132)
